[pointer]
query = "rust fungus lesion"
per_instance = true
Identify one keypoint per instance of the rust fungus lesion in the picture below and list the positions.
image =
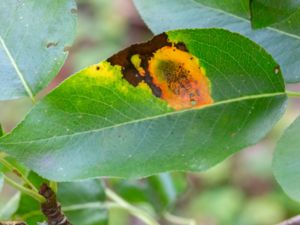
(169, 70)
(182, 80)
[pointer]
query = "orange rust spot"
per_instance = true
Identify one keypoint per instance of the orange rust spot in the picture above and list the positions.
(180, 77)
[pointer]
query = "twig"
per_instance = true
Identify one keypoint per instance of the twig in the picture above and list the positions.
(25, 190)
(51, 208)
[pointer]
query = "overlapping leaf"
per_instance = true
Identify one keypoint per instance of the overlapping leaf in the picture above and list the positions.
(33, 39)
(282, 39)
(265, 13)
(98, 124)
(286, 160)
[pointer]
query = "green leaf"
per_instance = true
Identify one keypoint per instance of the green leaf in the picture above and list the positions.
(286, 166)
(10, 207)
(82, 202)
(98, 124)
(33, 36)
(265, 13)
(160, 191)
(1, 131)
(282, 40)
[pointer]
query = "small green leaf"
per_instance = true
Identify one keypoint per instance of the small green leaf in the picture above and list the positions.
(108, 120)
(265, 13)
(82, 202)
(33, 36)
(162, 192)
(286, 164)
(282, 40)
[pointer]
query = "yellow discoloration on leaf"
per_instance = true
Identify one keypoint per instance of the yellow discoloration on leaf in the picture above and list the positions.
(144, 86)
(180, 77)
(104, 72)
(136, 62)
(109, 75)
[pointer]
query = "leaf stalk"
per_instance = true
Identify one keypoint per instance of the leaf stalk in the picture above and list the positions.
(16, 171)
(293, 94)
(25, 190)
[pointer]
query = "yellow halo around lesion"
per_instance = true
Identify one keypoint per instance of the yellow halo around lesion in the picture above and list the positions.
(180, 77)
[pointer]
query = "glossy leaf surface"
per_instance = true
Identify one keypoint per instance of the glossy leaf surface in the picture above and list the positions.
(286, 164)
(282, 40)
(33, 36)
(109, 120)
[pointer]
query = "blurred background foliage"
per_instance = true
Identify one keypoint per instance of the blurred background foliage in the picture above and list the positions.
(239, 191)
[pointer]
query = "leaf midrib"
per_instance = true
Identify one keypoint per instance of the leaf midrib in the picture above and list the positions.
(15, 66)
(248, 21)
(243, 98)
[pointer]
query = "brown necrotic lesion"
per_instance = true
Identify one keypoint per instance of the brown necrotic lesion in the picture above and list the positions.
(171, 72)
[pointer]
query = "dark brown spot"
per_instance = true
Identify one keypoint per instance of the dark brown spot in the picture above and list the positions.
(51, 44)
(17, 173)
(98, 68)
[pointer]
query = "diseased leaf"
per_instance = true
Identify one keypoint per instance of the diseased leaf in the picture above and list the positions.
(33, 35)
(282, 40)
(268, 12)
(286, 164)
(230, 90)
